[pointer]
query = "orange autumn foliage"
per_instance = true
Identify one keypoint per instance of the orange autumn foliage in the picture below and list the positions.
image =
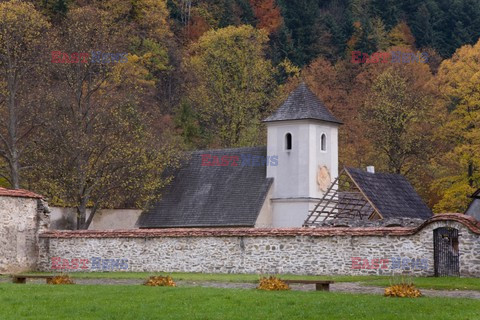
(403, 290)
(159, 281)
(61, 279)
(272, 284)
(268, 14)
(197, 27)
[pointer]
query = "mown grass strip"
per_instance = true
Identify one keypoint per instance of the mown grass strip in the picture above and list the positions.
(140, 302)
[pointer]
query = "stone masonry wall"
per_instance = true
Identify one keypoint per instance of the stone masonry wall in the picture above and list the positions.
(322, 251)
(21, 219)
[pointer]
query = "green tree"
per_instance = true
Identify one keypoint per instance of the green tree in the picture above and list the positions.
(187, 122)
(389, 11)
(422, 27)
(233, 83)
(394, 114)
(300, 19)
(98, 148)
(379, 35)
(54, 9)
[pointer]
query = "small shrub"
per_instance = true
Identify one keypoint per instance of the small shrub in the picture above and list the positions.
(61, 279)
(403, 290)
(159, 281)
(272, 284)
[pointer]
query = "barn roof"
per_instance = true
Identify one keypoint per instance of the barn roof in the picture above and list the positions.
(211, 196)
(359, 195)
(391, 194)
(302, 103)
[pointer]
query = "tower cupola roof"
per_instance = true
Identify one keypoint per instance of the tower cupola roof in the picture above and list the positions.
(301, 104)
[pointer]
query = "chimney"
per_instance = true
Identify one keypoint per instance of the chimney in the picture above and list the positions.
(371, 169)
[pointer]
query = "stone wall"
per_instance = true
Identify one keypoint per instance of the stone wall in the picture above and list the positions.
(21, 220)
(321, 251)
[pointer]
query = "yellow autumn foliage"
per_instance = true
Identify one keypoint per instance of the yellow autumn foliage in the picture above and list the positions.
(403, 290)
(61, 279)
(159, 281)
(232, 83)
(456, 169)
(272, 284)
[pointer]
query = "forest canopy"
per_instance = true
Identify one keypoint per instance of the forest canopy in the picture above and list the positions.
(203, 74)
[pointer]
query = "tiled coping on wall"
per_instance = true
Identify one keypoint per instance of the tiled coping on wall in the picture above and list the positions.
(472, 224)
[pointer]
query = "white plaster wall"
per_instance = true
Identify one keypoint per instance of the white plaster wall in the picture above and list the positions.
(115, 219)
(291, 174)
(66, 219)
(328, 158)
(62, 218)
(264, 219)
(295, 177)
(290, 212)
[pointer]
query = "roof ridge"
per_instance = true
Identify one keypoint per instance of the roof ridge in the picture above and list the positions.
(377, 173)
(228, 149)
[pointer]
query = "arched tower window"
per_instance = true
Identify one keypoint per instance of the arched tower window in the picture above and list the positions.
(323, 142)
(288, 141)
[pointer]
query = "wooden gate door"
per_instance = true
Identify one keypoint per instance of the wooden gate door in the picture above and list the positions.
(446, 253)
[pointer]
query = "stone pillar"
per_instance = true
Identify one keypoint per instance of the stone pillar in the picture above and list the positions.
(23, 216)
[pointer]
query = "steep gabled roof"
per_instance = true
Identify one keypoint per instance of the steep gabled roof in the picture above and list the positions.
(302, 103)
(391, 194)
(359, 195)
(211, 196)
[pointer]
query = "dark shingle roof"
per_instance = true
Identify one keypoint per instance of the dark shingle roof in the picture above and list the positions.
(476, 194)
(474, 206)
(302, 103)
(211, 196)
(391, 194)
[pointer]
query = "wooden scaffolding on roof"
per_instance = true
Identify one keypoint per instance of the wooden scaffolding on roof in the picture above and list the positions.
(343, 200)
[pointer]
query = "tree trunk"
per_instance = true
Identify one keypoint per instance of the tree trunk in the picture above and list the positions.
(14, 169)
(12, 135)
(470, 173)
(82, 214)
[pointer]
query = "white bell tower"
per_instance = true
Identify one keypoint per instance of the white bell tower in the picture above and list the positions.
(304, 136)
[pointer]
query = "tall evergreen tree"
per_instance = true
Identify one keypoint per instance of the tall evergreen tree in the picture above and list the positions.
(422, 27)
(300, 19)
(61, 7)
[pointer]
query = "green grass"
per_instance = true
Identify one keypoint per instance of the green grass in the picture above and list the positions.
(140, 302)
(219, 277)
(443, 283)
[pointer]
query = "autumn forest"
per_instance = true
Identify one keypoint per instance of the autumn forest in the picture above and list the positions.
(202, 74)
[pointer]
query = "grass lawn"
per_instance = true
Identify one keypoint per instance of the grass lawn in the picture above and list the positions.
(443, 283)
(219, 277)
(38, 301)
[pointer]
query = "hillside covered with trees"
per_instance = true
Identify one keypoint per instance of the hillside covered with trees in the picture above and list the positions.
(203, 74)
